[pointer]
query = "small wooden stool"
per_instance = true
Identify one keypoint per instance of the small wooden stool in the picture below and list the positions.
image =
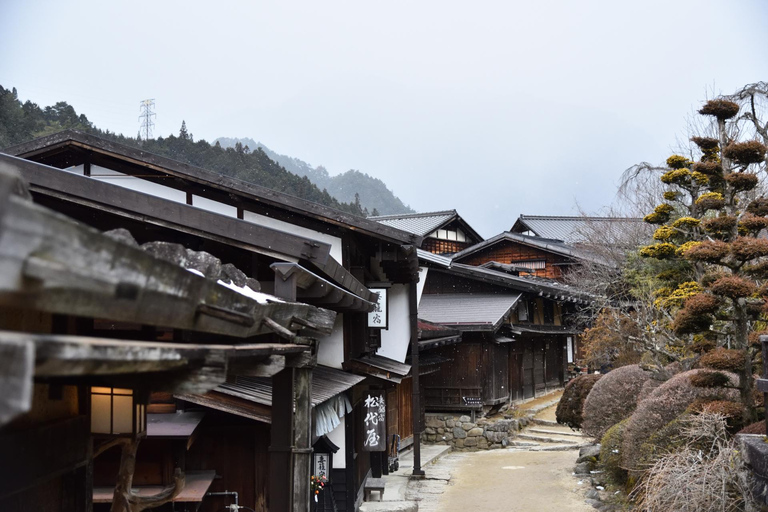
(373, 484)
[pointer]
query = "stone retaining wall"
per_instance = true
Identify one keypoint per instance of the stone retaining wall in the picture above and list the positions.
(460, 432)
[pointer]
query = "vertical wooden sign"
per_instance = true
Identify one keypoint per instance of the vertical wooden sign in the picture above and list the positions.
(374, 422)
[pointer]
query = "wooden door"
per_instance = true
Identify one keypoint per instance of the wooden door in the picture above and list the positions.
(529, 388)
(515, 375)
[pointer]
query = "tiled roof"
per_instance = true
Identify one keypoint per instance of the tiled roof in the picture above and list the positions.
(547, 244)
(568, 229)
(420, 224)
(467, 310)
(443, 261)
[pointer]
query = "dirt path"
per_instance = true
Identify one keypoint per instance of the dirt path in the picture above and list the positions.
(511, 480)
(506, 480)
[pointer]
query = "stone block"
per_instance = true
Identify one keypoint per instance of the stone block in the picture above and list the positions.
(587, 452)
(475, 432)
(468, 426)
(459, 433)
(441, 430)
(470, 442)
(458, 443)
(448, 436)
(450, 423)
(464, 418)
(431, 438)
(482, 443)
(429, 430)
(582, 468)
(433, 422)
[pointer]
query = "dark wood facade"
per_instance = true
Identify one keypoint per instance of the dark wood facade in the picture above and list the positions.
(510, 252)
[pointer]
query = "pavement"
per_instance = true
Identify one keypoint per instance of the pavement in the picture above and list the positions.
(535, 474)
(396, 496)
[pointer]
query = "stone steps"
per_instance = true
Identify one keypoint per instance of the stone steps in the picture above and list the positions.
(545, 439)
(559, 447)
(548, 423)
(568, 432)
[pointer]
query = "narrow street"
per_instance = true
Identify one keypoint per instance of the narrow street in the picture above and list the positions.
(533, 478)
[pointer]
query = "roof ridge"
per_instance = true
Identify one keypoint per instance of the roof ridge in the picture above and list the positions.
(576, 218)
(413, 215)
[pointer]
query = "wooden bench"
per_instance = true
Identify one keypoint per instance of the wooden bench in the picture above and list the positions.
(373, 484)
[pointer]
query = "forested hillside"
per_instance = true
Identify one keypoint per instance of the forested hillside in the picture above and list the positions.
(373, 192)
(20, 122)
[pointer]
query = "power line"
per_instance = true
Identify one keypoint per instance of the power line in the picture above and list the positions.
(147, 114)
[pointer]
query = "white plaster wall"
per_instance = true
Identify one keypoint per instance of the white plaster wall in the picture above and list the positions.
(214, 206)
(330, 349)
(395, 339)
(337, 437)
(139, 185)
(263, 220)
(422, 280)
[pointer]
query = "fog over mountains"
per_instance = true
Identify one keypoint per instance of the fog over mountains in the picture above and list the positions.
(373, 192)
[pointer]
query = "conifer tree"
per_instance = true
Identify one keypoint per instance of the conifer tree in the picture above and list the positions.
(183, 133)
(708, 228)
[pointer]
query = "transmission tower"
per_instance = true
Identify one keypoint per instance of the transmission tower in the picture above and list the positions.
(147, 114)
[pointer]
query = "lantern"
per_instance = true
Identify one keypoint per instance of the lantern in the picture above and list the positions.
(117, 412)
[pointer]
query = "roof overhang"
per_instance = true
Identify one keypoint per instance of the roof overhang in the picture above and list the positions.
(315, 290)
(380, 367)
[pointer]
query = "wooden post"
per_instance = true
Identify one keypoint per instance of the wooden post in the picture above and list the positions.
(281, 432)
(302, 452)
(413, 305)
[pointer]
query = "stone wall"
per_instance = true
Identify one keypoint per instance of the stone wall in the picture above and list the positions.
(460, 432)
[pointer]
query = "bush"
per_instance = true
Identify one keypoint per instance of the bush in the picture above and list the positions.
(610, 454)
(758, 207)
(706, 142)
(569, 409)
(748, 248)
(754, 428)
(710, 380)
(742, 181)
(720, 227)
(745, 153)
(710, 251)
(753, 223)
(665, 404)
(613, 399)
(733, 287)
(711, 168)
(723, 359)
(721, 109)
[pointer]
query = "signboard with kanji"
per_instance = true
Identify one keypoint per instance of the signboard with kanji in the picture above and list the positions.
(379, 316)
(374, 422)
(322, 464)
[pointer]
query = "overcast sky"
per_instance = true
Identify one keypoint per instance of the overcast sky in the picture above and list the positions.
(490, 108)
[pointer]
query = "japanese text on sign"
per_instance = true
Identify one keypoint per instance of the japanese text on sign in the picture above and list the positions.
(378, 317)
(374, 422)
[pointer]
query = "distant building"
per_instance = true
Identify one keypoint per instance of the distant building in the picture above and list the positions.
(444, 232)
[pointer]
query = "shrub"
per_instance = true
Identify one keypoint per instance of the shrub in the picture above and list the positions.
(745, 153)
(720, 227)
(709, 380)
(711, 200)
(665, 404)
(709, 168)
(702, 303)
(610, 454)
(705, 143)
(733, 287)
(741, 181)
(758, 207)
(689, 322)
(678, 162)
(710, 251)
(613, 399)
(721, 109)
(686, 222)
(569, 409)
(659, 251)
(754, 428)
(753, 223)
(705, 475)
(723, 359)
(747, 248)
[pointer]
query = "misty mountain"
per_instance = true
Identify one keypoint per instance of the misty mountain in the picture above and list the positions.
(373, 192)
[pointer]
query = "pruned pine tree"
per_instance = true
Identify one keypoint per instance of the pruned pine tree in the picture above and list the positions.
(708, 226)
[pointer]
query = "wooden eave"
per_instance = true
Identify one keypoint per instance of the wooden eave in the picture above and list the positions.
(45, 146)
(51, 263)
(317, 291)
(142, 207)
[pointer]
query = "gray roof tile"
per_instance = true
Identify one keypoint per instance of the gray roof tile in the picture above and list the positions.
(467, 309)
(420, 224)
(568, 229)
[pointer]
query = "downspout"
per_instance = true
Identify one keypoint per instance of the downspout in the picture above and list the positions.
(416, 394)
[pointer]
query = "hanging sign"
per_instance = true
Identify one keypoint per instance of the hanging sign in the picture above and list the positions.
(379, 317)
(374, 422)
(322, 464)
(570, 348)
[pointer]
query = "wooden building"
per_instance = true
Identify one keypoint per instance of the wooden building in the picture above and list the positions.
(443, 232)
(294, 249)
(515, 335)
(90, 325)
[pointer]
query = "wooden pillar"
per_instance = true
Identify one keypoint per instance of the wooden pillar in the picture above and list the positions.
(416, 394)
(302, 452)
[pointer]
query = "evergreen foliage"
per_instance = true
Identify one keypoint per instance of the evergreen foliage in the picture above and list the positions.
(20, 122)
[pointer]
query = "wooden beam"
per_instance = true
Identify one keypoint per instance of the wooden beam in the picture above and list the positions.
(54, 264)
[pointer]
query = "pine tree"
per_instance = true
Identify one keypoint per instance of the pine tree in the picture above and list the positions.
(709, 227)
(183, 134)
